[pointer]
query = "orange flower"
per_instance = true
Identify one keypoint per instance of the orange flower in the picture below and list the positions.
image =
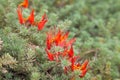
(31, 17)
(30, 20)
(73, 61)
(82, 68)
(49, 40)
(42, 22)
(61, 39)
(84, 65)
(20, 17)
(71, 41)
(50, 55)
(53, 56)
(83, 72)
(22, 20)
(71, 52)
(24, 4)
(58, 39)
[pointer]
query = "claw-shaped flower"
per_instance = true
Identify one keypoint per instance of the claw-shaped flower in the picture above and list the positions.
(24, 4)
(50, 55)
(59, 39)
(20, 17)
(23, 20)
(82, 68)
(31, 17)
(42, 22)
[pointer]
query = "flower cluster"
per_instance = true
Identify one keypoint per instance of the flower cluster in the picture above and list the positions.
(59, 49)
(30, 21)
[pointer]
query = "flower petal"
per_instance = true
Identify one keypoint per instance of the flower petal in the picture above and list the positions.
(70, 42)
(20, 17)
(31, 17)
(83, 73)
(42, 22)
(84, 65)
(71, 52)
(50, 55)
(24, 4)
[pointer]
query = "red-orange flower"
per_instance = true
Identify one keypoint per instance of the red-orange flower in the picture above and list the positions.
(82, 68)
(84, 65)
(53, 56)
(50, 55)
(83, 72)
(20, 17)
(29, 21)
(70, 42)
(48, 41)
(31, 17)
(22, 20)
(73, 60)
(58, 39)
(71, 52)
(42, 22)
(24, 4)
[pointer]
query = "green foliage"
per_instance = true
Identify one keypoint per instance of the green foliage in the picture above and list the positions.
(13, 44)
(35, 76)
(95, 24)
